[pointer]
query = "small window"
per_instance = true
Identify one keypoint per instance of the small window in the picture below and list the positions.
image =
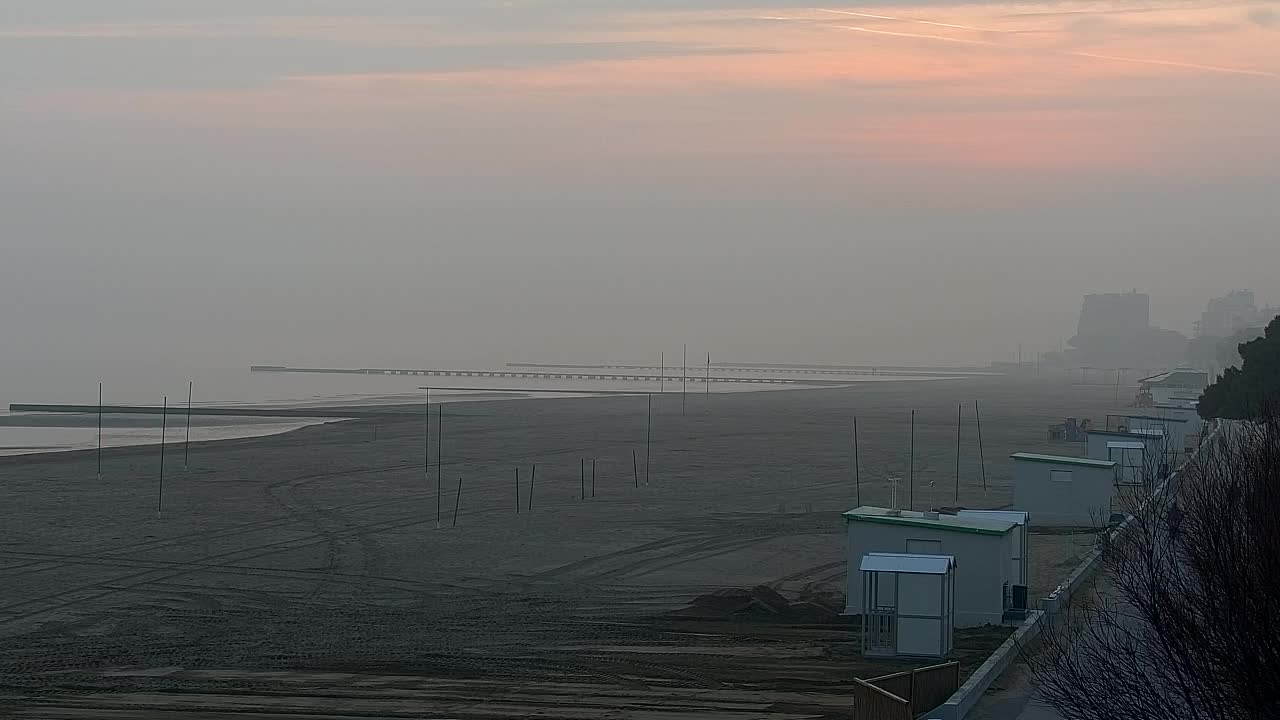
(924, 547)
(1060, 475)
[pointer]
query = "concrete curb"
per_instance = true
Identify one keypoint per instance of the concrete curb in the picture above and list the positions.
(963, 700)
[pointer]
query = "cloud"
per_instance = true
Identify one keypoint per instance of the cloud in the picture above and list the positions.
(1264, 16)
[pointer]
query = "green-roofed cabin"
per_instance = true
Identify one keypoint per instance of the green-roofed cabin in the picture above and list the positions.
(1064, 491)
(983, 548)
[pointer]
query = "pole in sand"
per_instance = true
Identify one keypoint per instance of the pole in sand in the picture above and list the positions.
(593, 478)
(99, 431)
(440, 458)
(959, 409)
(857, 472)
(981, 455)
(684, 379)
(457, 502)
(634, 469)
(533, 476)
(186, 444)
(911, 467)
(517, 473)
(648, 440)
(582, 478)
(164, 420)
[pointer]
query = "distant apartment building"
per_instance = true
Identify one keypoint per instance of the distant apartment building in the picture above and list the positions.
(1227, 315)
(1115, 332)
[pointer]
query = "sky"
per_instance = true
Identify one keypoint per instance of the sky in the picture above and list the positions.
(210, 184)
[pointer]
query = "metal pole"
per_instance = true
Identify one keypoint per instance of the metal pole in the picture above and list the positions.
(959, 409)
(684, 379)
(186, 445)
(857, 472)
(533, 476)
(439, 456)
(634, 469)
(648, 441)
(708, 374)
(911, 472)
(426, 436)
(593, 477)
(99, 431)
(981, 457)
(662, 372)
(518, 493)
(582, 478)
(164, 425)
(457, 502)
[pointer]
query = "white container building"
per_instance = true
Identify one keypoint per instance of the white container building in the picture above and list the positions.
(910, 601)
(1018, 573)
(982, 548)
(1064, 491)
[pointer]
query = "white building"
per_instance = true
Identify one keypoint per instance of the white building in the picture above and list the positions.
(1064, 491)
(910, 601)
(1175, 383)
(1172, 429)
(1134, 465)
(982, 548)
(1185, 412)
(1018, 573)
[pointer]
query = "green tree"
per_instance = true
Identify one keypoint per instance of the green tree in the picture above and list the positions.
(1239, 392)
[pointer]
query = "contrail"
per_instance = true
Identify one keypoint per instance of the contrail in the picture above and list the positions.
(942, 38)
(1171, 63)
(910, 20)
(988, 43)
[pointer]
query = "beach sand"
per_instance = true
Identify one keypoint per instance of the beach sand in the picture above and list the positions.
(303, 574)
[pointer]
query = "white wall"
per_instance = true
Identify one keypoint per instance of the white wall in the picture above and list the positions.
(982, 566)
(1085, 501)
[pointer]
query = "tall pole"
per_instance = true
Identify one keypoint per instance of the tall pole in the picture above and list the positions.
(684, 379)
(426, 436)
(981, 457)
(708, 374)
(186, 445)
(648, 441)
(99, 431)
(662, 372)
(439, 456)
(634, 469)
(164, 425)
(593, 477)
(857, 472)
(533, 477)
(911, 471)
(959, 409)
(517, 473)
(457, 502)
(582, 478)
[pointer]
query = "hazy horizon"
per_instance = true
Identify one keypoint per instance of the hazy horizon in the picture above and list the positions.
(200, 187)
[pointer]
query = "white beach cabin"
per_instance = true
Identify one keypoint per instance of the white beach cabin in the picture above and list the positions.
(982, 548)
(1018, 560)
(911, 605)
(1064, 491)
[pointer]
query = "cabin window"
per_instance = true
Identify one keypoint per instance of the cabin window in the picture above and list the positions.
(924, 547)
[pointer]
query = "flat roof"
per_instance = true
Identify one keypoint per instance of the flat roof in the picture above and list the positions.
(1125, 445)
(1115, 433)
(1014, 516)
(1158, 418)
(1062, 460)
(951, 523)
(1152, 431)
(907, 563)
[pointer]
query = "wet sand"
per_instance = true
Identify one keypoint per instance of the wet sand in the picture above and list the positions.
(303, 574)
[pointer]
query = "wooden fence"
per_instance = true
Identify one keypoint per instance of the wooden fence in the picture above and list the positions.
(905, 695)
